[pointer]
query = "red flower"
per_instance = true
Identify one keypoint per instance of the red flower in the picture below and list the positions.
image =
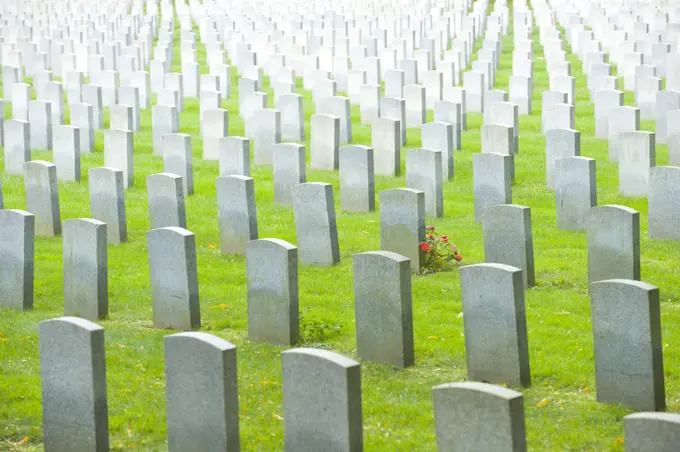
(430, 236)
(425, 247)
(429, 228)
(444, 238)
(458, 257)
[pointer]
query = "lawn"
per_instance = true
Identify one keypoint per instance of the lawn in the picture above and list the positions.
(560, 406)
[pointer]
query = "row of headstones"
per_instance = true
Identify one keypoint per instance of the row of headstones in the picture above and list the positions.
(322, 406)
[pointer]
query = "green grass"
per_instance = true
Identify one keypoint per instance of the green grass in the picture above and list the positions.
(561, 411)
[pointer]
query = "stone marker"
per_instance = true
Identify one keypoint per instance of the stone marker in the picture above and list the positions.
(324, 142)
(216, 127)
(392, 108)
(439, 136)
(40, 124)
(201, 393)
(508, 238)
(107, 202)
(627, 344)
(17, 141)
(166, 201)
(174, 278)
(402, 224)
(605, 100)
(272, 274)
(450, 113)
(492, 181)
(414, 107)
(85, 269)
(289, 171)
(321, 401)
(474, 416)
(651, 432)
(636, 156)
(164, 121)
(82, 117)
(613, 243)
(339, 107)
(267, 133)
(16, 254)
(236, 213)
(177, 159)
(292, 117)
(357, 186)
(118, 154)
(664, 199)
(66, 153)
(73, 385)
(423, 172)
(42, 196)
(559, 144)
(315, 225)
(234, 156)
(621, 119)
(575, 192)
(558, 116)
(383, 308)
(386, 147)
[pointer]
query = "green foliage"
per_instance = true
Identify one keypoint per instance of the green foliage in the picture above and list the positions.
(440, 253)
(313, 333)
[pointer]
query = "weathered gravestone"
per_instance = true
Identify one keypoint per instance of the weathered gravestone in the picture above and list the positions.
(438, 136)
(40, 124)
(236, 213)
(492, 181)
(42, 196)
(651, 432)
(17, 141)
(575, 191)
(636, 155)
(315, 226)
(450, 113)
(177, 159)
(424, 173)
(508, 238)
(474, 416)
(496, 345)
(201, 393)
(272, 280)
(395, 109)
(289, 171)
(107, 202)
(266, 133)
(216, 126)
(321, 401)
(324, 142)
(605, 100)
(118, 152)
(234, 156)
(73, 385)
(402, 224)
(559, 144)
(357, 180)
(164, 121)
(66, 152)
(85, 269)
(664, 203)
(627, 344)
(383, 308)
(621, 119)
(174, 278)
(17, 237)
(292, 117)
(82, 117)
(339, 107)
(386, 147)
(166, 201)
(613, 243)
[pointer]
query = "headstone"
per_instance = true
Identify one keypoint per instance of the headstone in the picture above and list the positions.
(387, 146)
(177, 159)
(315, 225)
(164, 121)
(82, 117)
(383, 308)
(558, 116)
(40, 121)
(402, 224)
(424, 173)
(324, 142)
(339, 107)
(272, 274)
(575, 191)
(392, 108)
(16, 254)
(491, 180)
(236, 213)
(66, 153)
(369, 104)
(85, 269)
(166, 201)
(475, 85)
(520, 90)
(666, 101)
(267, 133)
(321, 394)
(118, 153)
(73, 385)
(174, 278)
(476, 416)
(92, 95)
(559, 144)
(42, 196)
(450, 113)
(201, 393)
(215, 129)
(664, 199)
(651, 432)
(292, 117)
(17, 146)
(357, 180)
(636, 155)
(627, 344)
(613, 243)
(414, 106)
(289, 171)
(621, 119)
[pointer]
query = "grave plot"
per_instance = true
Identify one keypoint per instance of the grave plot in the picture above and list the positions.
(314, 226)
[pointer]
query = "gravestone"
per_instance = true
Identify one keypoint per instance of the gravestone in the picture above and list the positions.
(16, 254)
(324, 142)
(73, 385)
(66, 152)
(627, 344)
(664, 203)
(402, 224)
(164, 121)
(357, 179)
(508, 238)
(369, 104)
(424, 173)
(438, 136)
(201, 393)
(267, 133)
(548, 100)
(216, 125)
(292, 117)
(321, 394)
(17, 142)
(339, 107)
(386, 145)
(651, 432)
(605, 100)
(575, 191)
(166, 201)
(450, 113)
(107, 202)
(40, 121)
(234, 156)
(82, 117)
(383, 308)
(272, 281)
(42, 196)
(236, 213)
(174, 278)
(558, 116)
(475, 85)
(85, 269)
(559, 144)
(392, 108)
(621, 119)
(315, 225)
(177, 159)
(636, 156)
(491, 181)
(118, 153)
(289, 171)
(476, 416)
(613, 243)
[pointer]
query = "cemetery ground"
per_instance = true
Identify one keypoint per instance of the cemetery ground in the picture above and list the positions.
(560, 406)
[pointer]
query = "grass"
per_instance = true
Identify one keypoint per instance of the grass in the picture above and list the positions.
(561, 411)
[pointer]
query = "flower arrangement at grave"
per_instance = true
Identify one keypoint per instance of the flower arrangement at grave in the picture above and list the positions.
(440, 253)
